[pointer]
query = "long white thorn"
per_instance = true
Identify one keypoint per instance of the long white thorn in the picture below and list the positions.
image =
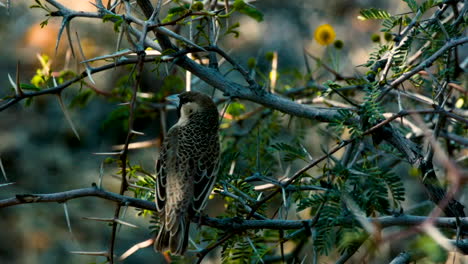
(14, 85)
(67, 116)
(3, 170)
(67, 217)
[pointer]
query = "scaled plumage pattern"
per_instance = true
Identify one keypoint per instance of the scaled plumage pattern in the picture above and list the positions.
(186, 169)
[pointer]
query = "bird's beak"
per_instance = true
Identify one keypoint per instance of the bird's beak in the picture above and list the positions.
(174, 99)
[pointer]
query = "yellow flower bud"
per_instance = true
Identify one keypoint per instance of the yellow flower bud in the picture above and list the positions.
(325, 35)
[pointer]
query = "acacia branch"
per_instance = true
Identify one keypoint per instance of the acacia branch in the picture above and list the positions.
(424, 64)
(57, 89)
(123, 156)
(61, 197)
(235, 223)
(407, 257)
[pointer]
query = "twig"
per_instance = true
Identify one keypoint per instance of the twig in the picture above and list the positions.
(136, 247)
(403, 38)
(407, 257)
(130, 133)
(222, 223)
(202, 254)
(337, 75)
(423, 65)
(57, 89)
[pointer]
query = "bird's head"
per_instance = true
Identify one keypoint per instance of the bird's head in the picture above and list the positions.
(191, 104)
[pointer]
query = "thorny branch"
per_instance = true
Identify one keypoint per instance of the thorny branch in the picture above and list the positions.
(425, 64)
(234, 223)
(124, 153)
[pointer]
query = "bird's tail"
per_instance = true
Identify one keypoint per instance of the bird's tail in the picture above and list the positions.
(174, 237)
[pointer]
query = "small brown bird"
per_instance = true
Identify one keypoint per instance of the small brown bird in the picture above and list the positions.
(186, 169)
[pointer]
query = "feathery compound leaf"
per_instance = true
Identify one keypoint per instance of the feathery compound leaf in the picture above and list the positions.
(31, 87)
(372, 186)
(376, 56)
(313, 202)
(429, 4)
(372, 110)
(373, 13)
(369, 190)
(326, 235)
(237, 252)
(395, 187)
(175, 12)
(233, 29)
(291, 152)
(412, 5)
(82, 98)
(247, 9)
(389, 23)
(351, 239)
(399, 58)
(116, 19)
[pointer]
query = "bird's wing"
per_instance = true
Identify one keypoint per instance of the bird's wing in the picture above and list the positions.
(205, 173)
(166, 153)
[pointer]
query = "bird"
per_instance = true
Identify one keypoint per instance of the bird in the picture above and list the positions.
(186, 169)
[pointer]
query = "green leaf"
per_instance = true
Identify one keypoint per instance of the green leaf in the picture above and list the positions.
(395, 187)
(233, 30)
(110, 17)
(389, 23)
(248, 10)
(29, 101)
(429, 4)
(65, 74)
(352, 238)
(173, 83)
(412, 5)
(373, 13)
(236, 108)
(39, 80)
(119, 115)
(239, 252)
(291, 152)
(116, 19)
(434, 252)
(326, 232)
(251, 62)
(332, 86)
(82, 98)
(27, 86)
(179, 9)
(44, 23)
(40, 5)
(197, 6)
(175, 12)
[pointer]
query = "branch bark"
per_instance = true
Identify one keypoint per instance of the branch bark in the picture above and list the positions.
(236, 224)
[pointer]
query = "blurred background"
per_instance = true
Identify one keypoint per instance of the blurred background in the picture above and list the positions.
(40, 153)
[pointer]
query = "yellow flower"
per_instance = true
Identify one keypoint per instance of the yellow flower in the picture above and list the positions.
(325, 35)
